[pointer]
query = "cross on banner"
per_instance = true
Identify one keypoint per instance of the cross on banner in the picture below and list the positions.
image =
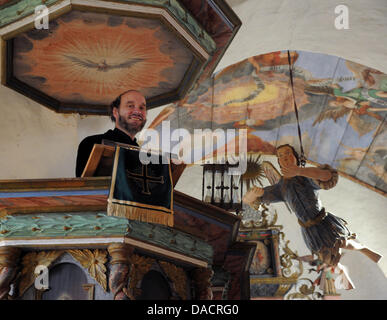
(138, 191)
(144, 178)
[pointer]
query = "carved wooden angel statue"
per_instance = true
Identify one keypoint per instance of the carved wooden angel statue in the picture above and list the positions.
(324, 233)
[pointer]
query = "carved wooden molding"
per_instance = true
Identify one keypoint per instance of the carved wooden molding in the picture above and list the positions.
(139, 267)
(9, 257)
(177, 276)
(120, 253)
(120, 266)
(202, 282)
(30, 261)
(93, 260)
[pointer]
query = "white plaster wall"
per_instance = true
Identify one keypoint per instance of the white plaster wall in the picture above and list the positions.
(35, 141)
(271, 25)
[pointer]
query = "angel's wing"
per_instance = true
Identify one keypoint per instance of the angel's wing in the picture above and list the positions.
(126, 64)
(333, 113)
(84, 63)
(271, 172)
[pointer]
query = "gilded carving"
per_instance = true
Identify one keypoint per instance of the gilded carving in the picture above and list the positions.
(120, 253)
(94, 261)
(178, 277)
(139, 267)
(287, 263)
(282, 290)
(202, 282)
(305, 289)
(274, 280)
(29, 263)
(89, 288)
(9, 258)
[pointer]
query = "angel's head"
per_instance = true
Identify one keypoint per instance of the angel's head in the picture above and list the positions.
(286, 154)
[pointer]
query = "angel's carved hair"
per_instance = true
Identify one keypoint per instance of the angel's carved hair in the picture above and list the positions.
(117, 102)
(294, 152)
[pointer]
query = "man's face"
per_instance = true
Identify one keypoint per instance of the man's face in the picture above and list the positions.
(131, 115)
(286, 157)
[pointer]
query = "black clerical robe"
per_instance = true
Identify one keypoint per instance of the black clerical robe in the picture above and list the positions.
(85, 147)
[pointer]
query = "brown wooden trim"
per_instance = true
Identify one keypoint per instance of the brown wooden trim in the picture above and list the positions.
(89, 183)
(51, 209)
(248, 249)
(3, 52)
(247, 246)
(229, 13)
(95, 157)
(205, 209)
(177, 171)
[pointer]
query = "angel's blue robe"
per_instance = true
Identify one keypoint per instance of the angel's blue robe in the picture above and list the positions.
(301, 195)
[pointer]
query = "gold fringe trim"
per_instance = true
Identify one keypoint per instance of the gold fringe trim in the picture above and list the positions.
(140, 214)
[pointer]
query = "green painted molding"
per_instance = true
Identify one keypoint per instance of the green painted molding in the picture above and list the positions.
(23, 8)
(20, 9)
(61, 225)
(91, 224)
(185, 18)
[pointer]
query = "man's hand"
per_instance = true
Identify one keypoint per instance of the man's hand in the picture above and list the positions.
(177, 161)
(291, 171)
(253, 194)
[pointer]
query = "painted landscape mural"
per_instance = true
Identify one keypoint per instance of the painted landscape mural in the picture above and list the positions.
(341, 104)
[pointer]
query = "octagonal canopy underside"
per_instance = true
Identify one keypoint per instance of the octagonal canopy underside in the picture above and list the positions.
(89, 56)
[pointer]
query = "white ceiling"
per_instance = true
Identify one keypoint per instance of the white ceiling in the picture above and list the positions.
(272, 25)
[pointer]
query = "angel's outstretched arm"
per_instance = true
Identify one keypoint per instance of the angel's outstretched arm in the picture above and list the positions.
(315, 173)
(256, 195)
(322, 174)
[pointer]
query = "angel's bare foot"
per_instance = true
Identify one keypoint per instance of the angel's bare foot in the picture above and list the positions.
(374, 256)
(353, 245)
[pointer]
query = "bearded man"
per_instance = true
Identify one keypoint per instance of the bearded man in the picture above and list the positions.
(128, 112)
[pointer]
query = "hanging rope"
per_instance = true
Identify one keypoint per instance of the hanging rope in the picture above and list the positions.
(302, 157)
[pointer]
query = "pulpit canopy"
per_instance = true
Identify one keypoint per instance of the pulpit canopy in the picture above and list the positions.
(77, 56)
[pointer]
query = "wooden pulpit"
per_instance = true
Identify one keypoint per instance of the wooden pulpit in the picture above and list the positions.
(100, 162)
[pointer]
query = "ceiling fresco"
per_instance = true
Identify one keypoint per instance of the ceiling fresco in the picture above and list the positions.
(341, 104)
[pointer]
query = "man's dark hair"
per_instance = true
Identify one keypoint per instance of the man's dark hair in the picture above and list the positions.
(116, 103)
(294, 152)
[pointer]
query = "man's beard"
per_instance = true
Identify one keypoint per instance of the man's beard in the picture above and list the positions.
(131, 128)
